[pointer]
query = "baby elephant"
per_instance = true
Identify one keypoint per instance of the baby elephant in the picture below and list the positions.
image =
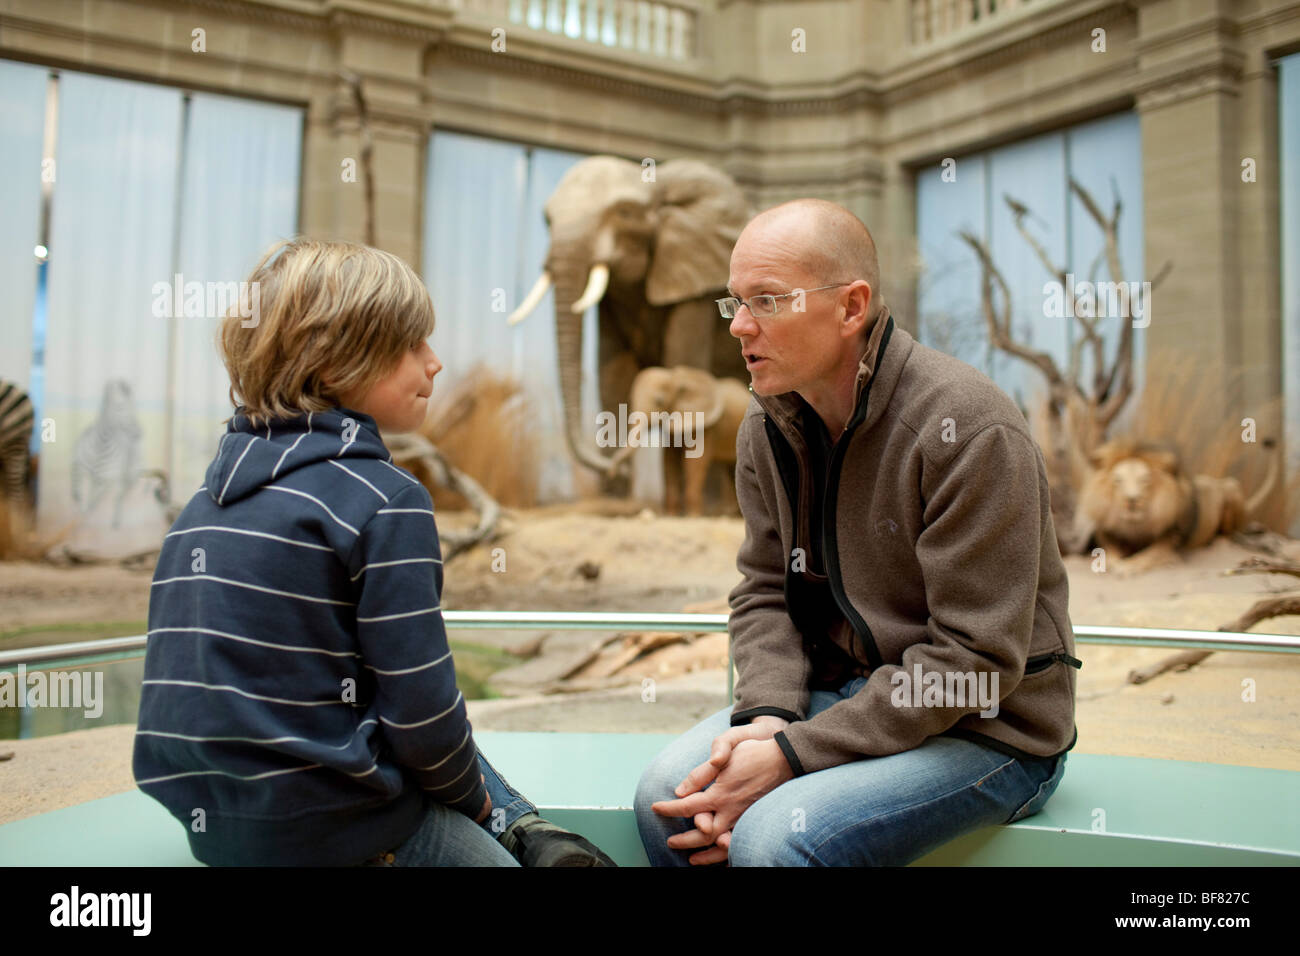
(694, 417)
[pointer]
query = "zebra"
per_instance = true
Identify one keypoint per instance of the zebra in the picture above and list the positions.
(17, 418)
(105, 455)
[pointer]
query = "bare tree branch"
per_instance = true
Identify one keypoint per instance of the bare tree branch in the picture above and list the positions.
(1259, 611)
(1159, 277)
(1264, 566)
(1111, 398)
(1078, 417)
(1262, 610)
(1000, 329)
(415, 447)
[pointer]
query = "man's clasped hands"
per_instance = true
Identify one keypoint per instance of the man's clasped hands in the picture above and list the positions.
(745, 763)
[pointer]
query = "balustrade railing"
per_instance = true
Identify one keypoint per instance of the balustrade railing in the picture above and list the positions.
(934, 19)
(662, 28)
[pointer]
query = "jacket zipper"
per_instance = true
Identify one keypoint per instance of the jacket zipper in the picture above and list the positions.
(830, 543)
(830, 557)
(1044, 661)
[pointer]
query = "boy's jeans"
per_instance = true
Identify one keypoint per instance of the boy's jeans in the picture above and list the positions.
(447, 837)
(879, 811)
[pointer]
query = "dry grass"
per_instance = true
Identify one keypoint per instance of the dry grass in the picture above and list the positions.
(8, 545)
(1175, 407)
(18, 538)
(482, 425)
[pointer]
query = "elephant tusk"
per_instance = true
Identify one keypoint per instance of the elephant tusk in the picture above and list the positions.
(535, 295)
(597, 283)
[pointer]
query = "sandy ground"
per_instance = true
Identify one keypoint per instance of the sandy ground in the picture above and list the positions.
(644, 563)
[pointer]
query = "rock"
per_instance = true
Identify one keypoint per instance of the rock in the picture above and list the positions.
(563, 654)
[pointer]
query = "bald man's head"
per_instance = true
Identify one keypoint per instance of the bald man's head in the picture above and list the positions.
(830, 243)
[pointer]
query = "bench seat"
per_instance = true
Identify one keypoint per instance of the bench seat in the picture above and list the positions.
(1156, 812)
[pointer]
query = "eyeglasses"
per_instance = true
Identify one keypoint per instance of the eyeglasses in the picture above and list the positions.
(761, 306)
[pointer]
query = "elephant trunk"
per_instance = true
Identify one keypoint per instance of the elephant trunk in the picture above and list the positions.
(568, 344)
(618, 461)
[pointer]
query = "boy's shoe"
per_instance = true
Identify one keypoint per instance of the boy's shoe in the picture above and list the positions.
(537, 842)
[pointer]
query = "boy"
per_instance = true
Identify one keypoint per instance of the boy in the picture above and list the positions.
(299, 704)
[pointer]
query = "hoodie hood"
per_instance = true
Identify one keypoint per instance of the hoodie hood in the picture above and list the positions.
(249, 458)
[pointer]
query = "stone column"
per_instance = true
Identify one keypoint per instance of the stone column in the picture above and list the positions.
(390, 65)
(1188, 99)
(1259, 266)
(1209, 146)
(896, 244)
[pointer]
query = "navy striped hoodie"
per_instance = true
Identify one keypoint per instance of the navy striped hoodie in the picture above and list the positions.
(298, 688)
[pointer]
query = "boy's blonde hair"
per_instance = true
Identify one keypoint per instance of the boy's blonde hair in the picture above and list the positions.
(324, 308)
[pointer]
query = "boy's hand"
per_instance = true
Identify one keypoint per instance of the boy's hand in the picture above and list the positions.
(487, 804)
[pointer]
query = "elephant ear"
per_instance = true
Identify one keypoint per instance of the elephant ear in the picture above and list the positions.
(701, 213)
(697, 391)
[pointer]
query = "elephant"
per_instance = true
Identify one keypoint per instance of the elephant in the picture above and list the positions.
(653, 246)
(697, 417)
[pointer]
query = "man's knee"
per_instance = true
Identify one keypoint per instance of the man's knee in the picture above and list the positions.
(665, 772)
(679, 758)
(772, 833)
(786, 832)
(653, 786)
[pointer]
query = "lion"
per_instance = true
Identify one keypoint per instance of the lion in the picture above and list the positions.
(1138, 502)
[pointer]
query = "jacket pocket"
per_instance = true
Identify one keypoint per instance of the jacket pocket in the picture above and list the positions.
(1044, 661)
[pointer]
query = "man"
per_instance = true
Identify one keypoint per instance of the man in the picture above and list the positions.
(901, 632)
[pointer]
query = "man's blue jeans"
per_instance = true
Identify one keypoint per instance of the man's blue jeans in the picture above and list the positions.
(879, 811)
(447, 837)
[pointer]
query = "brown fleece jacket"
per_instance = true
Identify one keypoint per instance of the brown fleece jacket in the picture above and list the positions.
(939, 554)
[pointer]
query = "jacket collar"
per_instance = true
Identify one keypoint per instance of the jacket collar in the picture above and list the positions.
(787, 408)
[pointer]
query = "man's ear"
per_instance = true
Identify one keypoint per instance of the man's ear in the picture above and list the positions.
(856, 316)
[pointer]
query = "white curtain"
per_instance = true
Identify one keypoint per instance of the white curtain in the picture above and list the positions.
(1035, 172)
(111, 237)
(485, 240)
(948, 287)
(22, 122)
(239, 194)
(149, 188)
